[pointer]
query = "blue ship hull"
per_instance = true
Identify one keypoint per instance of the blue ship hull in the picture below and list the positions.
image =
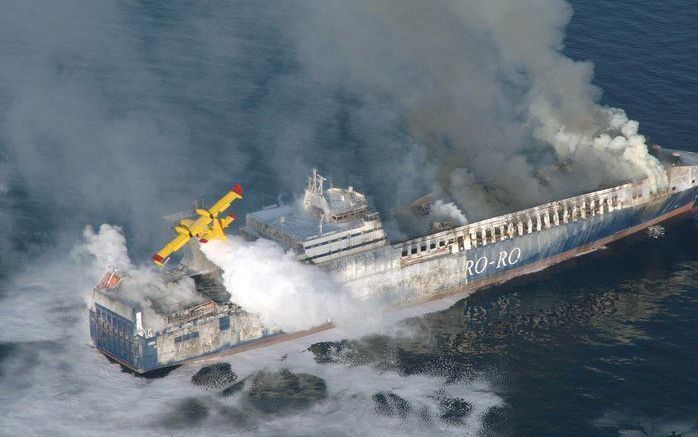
(502, 260)
(115, 336)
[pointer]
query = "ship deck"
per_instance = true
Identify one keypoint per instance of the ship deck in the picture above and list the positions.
(290, 220)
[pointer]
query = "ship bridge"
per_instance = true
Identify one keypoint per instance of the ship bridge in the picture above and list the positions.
(329, 223)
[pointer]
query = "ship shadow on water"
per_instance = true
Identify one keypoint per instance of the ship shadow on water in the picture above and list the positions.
(153, 374)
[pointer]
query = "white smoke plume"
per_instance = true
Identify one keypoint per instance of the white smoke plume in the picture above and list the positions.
(263, 279)
(106, 248)
(441, 210)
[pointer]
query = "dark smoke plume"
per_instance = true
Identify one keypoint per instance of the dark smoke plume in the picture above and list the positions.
(124, 112)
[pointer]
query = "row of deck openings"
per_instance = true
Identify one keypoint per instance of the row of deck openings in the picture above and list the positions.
(526, 224)
(544, 219)
(425, 247)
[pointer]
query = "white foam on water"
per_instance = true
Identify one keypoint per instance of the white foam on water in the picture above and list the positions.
(350, 410)
(54, 382)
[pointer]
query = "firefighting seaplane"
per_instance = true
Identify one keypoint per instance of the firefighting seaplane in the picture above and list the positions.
(206, 227)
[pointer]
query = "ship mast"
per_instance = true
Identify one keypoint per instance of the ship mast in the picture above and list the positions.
(314, 190)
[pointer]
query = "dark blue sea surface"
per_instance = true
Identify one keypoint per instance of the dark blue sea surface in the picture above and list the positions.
(644, 57)
(608, 346)
(604, 345)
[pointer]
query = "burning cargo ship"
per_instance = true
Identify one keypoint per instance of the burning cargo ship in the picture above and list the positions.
(335, 230)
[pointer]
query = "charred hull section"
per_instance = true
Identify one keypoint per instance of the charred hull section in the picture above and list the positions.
(116, 335)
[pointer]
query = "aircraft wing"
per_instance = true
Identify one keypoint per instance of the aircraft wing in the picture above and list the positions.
(177, 216)
(225, 201)
(173, 246)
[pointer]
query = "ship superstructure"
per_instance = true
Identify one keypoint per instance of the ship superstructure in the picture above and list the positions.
(334, 229)
(329, 224)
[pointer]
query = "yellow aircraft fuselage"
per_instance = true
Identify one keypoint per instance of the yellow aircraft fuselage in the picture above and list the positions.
(207, 227)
